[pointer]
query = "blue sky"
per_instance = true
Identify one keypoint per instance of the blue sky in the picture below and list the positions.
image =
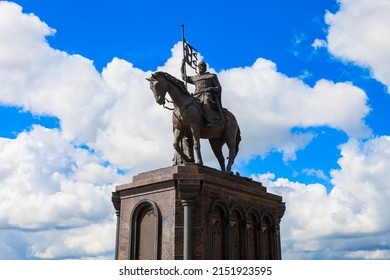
(307, 80)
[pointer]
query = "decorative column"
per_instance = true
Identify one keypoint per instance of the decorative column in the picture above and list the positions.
(188, 190)
(116, 201)
(281, 209)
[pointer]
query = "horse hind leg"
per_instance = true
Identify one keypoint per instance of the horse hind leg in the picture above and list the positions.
(232, 156)
(233, 149)
(216, 146)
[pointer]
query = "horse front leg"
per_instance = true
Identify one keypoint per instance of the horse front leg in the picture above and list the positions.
(196, 136)
(188, 147)
(177, 138)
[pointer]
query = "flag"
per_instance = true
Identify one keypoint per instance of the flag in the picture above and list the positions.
(190, 55)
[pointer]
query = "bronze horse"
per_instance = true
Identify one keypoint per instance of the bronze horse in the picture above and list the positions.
(187, 119)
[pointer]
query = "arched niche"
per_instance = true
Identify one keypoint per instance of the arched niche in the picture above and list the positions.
(237, 233)
(268, 237)
(217, 230)
(252, 234)
(144, 233)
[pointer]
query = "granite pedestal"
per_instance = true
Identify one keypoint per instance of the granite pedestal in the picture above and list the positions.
(196, 212)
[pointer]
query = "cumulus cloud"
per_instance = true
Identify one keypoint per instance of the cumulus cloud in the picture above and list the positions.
(94, 241)
(56, 183)
(135, 125)
(43, 182)
(340, 224)
(49, 186)
(46, 81)
(358, 32)
(272, 103)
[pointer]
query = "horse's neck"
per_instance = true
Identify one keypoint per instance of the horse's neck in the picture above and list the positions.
(179, 98)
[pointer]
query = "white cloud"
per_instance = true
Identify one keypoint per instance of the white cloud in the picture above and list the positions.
(318, 43)
(48, 184)
(359, 32)
(343, 223)
(51, 185)
(42, 183)
(47, 81)
(135, 125)
(316, 173)
(270, 104)
(92, 241)
(370, 255)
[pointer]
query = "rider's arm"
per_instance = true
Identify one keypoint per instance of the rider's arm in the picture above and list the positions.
(216, 86)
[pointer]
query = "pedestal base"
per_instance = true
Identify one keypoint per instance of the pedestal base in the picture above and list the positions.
(196, 212)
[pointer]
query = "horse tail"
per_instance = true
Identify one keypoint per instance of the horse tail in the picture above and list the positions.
(238, 139)
(231, 122)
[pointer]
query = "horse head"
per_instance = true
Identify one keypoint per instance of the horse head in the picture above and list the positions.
(159, 87)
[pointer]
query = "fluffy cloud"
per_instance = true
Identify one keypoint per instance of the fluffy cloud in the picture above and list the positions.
(56, 183)
(44, 183)
(52, 189)
(272, 103)
(135, 125)
(93, 241)
(46, 81)
(358, 32)
(342, 223)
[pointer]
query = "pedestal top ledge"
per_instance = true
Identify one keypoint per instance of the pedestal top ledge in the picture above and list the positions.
(192, 171)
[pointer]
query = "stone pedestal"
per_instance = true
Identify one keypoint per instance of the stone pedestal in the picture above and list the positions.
(196, 212)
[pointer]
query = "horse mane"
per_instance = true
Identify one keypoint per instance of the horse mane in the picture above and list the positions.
(175, 81)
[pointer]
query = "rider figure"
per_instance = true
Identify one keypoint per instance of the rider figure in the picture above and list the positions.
(207, 89)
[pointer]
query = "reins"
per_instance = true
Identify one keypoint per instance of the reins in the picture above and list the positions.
(169, 101)
(171, 109)
(181, 87)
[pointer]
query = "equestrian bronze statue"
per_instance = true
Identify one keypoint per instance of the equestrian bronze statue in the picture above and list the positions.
(198, 116)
